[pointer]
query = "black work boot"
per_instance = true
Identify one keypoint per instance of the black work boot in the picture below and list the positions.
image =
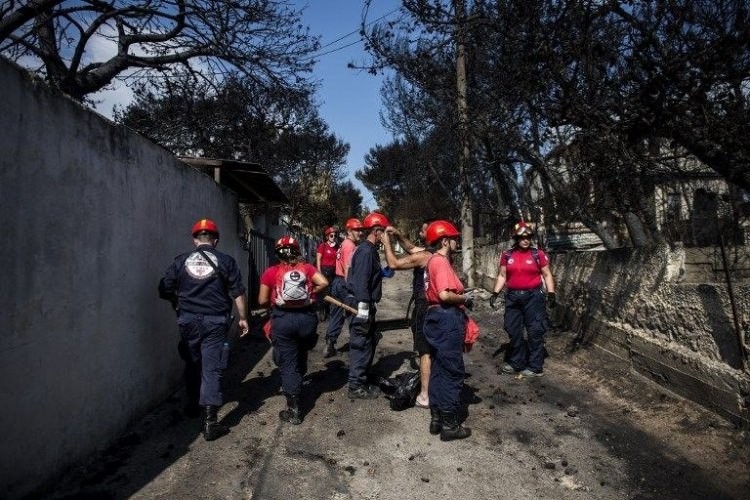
(330, 349)
(212, 429)
(292, 413)
(436, 425)
(452, 428)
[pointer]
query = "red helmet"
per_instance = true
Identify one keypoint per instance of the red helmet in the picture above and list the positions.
(205, 225)
(328, 230)
(287, 242)
(521, 228)
(353, 224)
(375, 219)
(287, 246)
(440, 229)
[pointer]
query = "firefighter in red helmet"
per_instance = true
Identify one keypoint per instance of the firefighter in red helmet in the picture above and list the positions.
(444, 326)
(202, 285)
(523, 270)
(363, 284)
(289, 288)
(325, 260)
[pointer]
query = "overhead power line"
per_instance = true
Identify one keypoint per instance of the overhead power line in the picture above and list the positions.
(343, 37)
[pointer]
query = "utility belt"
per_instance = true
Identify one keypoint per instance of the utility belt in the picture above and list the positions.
(184, 315)
(444, 311)
(523, 291)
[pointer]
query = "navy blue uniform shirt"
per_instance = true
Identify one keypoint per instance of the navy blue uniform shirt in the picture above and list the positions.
(197, 287)
(364, 280)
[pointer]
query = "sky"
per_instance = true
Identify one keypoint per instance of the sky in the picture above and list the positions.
(349, 99)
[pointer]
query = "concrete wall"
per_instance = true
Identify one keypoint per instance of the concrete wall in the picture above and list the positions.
(92, 214)
(632, 304)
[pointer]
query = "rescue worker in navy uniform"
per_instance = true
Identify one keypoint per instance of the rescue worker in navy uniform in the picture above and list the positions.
(522, 269)
(202, 285)
(364, 285)
(444, 328)
(294, 322)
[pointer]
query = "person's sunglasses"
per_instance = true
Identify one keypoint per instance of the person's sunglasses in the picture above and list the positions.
(524, 237)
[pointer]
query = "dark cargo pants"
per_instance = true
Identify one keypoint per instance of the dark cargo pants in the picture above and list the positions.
(206, 352)
(444, 329)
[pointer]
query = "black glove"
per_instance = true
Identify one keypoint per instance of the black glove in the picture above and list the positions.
(551, 299)
(493, 300)
(469, 300)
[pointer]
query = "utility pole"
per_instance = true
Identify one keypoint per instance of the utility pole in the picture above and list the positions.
(467, 206)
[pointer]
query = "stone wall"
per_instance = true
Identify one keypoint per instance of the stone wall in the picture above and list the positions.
(632, 303)
(92, 215)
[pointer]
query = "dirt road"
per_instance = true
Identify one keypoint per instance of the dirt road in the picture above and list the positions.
(590, 429)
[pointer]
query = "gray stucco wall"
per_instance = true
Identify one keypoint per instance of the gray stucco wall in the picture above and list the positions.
(630, 303)
(92, 216)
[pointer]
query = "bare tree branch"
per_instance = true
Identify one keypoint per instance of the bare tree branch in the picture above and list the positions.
(262, 39)
(12, 21)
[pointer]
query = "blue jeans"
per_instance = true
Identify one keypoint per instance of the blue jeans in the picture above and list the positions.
(444, 329)
(293, 335)
(205, 336)
(526, 310)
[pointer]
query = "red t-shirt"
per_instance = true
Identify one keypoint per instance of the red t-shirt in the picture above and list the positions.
(270, 277)
(521, 270)
(328, 254)
(344, 256)
(438, 276)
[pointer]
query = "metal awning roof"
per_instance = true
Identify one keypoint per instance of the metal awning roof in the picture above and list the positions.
(249, 180)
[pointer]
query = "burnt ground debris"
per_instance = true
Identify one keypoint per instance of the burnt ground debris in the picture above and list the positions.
(592, 428)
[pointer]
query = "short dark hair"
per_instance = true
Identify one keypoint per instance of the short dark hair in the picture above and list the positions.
(206, 236)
